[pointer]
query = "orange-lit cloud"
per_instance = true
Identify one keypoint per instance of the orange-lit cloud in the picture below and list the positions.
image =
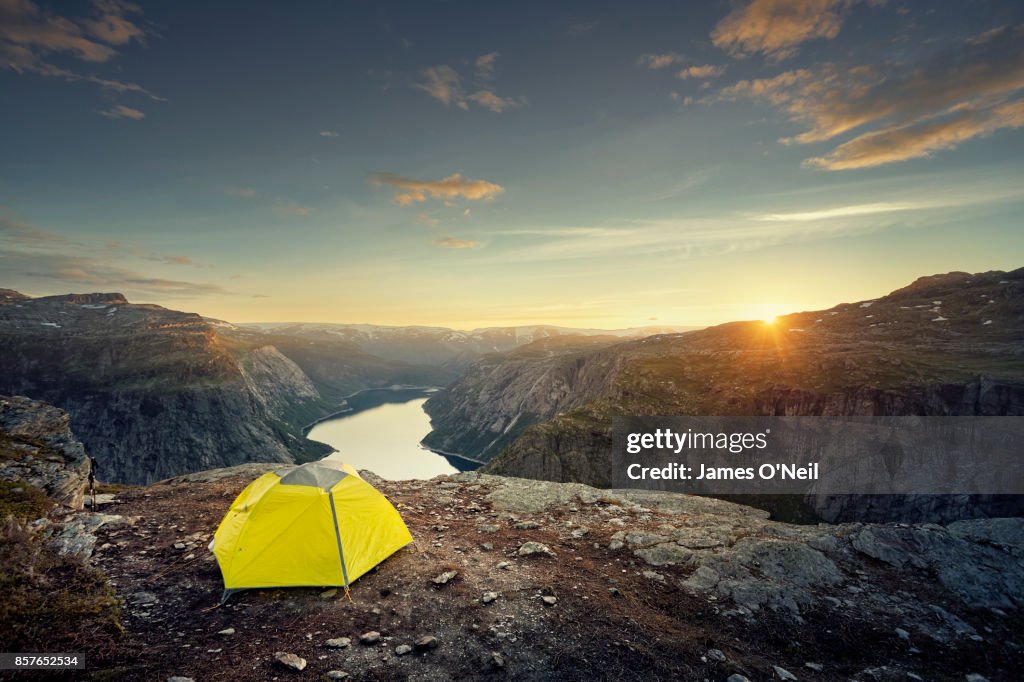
(456, 243)
(920, 139)
(444, 84)
(704, 71)
(776, 27)
(902, 112)
(121, 111)
(111, 26)
(456, 186)
(489, 100)
(28, 34)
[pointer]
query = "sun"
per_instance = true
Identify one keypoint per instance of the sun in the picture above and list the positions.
(768, 313)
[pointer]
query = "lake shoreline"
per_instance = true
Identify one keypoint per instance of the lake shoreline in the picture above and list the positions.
(390, 423)
(398, 387)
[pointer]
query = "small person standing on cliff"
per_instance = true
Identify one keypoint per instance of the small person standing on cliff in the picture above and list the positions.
(93, 467)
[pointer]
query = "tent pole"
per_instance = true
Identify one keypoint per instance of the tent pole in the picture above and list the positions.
(337, 536)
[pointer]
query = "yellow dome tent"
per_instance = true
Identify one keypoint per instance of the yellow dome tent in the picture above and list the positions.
(314, 525)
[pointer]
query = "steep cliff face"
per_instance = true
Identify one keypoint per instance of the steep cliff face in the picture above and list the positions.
(945, 345)
(155, 392)
(503, 394)
(38, 448)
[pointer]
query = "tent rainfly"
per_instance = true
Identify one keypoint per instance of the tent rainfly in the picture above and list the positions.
(315, 525)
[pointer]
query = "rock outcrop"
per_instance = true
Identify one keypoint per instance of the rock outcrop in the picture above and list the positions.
(549, 581)
(37, 447)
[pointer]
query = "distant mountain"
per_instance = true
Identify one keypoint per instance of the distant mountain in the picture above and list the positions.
(337, 366)
(948, 344)
(449, 350)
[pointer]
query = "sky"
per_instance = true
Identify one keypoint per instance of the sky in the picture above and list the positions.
(468, 164)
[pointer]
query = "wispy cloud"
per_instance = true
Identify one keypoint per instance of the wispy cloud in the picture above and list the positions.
(660, 61)
(489, 100)
(456, 243)
(579, 28)
(444, 84)
(684, 237)
(29, 34)
(121, 111)
(455, 186)
(485, 65)
(842, 212)
(328, 133)
(903, 111)
(131, 249)
(243, 192)
(776, 27)
(286, 207)
(424, 219)
(18, 232)
(37, 256)
(919, 139)
(67, 271)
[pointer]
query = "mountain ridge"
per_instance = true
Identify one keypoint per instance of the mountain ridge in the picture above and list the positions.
(946, 344)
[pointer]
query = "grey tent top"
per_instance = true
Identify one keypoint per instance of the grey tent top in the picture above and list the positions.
(316, 474)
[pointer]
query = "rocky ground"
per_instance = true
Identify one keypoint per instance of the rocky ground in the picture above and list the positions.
(532, 580)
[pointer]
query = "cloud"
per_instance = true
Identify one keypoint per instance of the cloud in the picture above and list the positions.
(899, 111)
(68, 270)
(121, 111)
(29, 34)
(659, 61)
(920, 139)
(485, 65)
(489, 100)
(284, 207)
(455, 186)
(15, 231)
(579, 28)
(843, 212)
(328, 133)
(424, 219)
(29, 253)
(111, 26)
(444, 84)
(456, 243)
(704, 71)
(244, 192)
(776, 27)
(132, 249)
